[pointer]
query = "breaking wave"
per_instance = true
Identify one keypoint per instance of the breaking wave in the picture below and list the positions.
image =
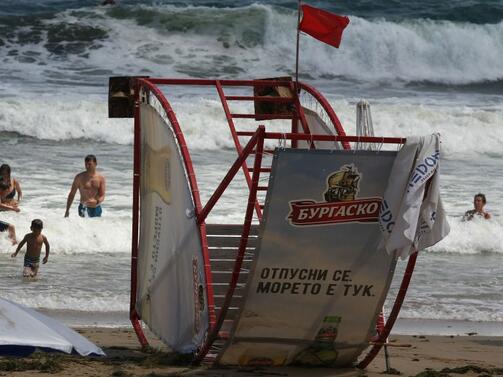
(87, 44)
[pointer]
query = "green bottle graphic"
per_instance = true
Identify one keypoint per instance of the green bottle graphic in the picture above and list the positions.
(322, 351)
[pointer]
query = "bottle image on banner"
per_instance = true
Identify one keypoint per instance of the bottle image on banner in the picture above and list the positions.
(322, 351)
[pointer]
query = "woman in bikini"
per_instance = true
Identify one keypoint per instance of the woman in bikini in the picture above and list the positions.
(8, 189)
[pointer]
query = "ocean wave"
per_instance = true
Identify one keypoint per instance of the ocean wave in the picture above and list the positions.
(474, 237)
(466, 131)
(83, 45)
(462, 311)
(62, 301)
(73, 235)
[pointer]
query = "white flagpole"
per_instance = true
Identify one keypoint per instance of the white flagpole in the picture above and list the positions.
(297, 49)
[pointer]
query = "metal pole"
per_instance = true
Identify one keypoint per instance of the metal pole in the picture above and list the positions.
(297, 48)
(133, 315)
(386, 358)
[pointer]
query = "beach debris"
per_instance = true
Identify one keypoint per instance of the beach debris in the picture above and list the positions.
(38, 361)
(445, 372)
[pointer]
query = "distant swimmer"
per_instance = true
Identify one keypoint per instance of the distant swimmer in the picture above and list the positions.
(7, 206)
(9, 187)
(91, 186)
(34, 242)
(10, 229)
(108, 2)
(479, 201)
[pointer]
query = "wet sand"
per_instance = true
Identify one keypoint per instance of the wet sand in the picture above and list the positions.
(409, 356)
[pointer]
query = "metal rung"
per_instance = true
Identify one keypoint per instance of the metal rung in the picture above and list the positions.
(224, 335)
(262, 188)
(263, 116)
(260, 98)
(262, 170)
(264, 151)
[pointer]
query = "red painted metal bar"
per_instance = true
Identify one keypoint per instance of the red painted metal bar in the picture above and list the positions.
(262, 170)
(260, 99)
(260, 83)
(203, 82)
(263, 116)
(193, 187)
(252, 199)
(235, 138)
(363, 139)
(133, 315)
(228, 178)
(295, 130)
(331, 113)
(300, 112)
(393, 315)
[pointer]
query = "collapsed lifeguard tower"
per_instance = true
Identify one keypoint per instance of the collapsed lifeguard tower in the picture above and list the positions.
(303, 277)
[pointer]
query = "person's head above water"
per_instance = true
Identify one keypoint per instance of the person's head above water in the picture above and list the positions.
(479, 201)
(5, 172)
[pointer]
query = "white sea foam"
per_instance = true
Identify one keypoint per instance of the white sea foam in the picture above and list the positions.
(460, 310)
(465, 131)
(478, 236)
(64, 301)
(74, 235)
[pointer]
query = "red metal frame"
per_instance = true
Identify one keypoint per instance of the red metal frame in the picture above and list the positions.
(235, 138)
(133, 315)
(256, 141)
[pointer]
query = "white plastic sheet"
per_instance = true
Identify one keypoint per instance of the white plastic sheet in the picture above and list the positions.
(25, 327)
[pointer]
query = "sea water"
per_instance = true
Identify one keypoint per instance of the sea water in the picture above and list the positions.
(424, 68)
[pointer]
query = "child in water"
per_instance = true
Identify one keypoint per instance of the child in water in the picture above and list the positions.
(34, 241)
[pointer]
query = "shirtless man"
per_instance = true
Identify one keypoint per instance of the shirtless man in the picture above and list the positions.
(34, 242)
(91, 186)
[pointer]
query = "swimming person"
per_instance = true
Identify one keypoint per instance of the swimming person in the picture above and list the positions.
(91, 186)
(9, 187)
(33, 241)
(11, 231)
(8, 205)
(479, 201)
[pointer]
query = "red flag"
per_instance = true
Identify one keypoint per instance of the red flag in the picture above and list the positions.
(322, 25)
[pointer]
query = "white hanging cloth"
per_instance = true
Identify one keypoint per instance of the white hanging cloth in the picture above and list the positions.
(412, 216)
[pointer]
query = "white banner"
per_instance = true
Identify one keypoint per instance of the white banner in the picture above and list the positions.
(171, 294)
(319, 279)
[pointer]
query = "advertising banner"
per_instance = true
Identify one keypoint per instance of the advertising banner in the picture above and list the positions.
(319, 279)
(171, 296)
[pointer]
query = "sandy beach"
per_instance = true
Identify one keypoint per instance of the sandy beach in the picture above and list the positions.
(422, 355)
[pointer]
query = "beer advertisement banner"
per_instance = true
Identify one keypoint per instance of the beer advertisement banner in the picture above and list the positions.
(320, 278)
(171, 280)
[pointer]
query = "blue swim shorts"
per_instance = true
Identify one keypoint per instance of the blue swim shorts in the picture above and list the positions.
(91, 212)
(32, 262)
